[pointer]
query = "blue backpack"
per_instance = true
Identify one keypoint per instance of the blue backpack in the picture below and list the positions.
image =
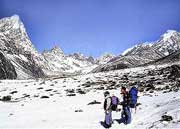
(133, 97)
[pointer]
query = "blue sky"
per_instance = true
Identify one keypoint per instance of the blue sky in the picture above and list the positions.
(93, 27)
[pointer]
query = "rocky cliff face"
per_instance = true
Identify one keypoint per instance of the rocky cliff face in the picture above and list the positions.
(18, 49)
(7, 70)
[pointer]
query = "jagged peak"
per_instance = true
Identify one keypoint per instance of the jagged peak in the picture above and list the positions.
(168, 34)
(78, 54)
(141, 45)
(15, 17)
(14, 21)
(56, 49)
(106, 55)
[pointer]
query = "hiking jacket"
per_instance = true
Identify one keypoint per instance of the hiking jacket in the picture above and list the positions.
(107, 103)
(126, 100)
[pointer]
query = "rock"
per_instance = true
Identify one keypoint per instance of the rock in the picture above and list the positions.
(49, 90)
(7, 70)
(26, 95)
(79, 110)
(149, 86)
(70, 90)
(94, 102)
(100, 88)
(36, 96)
(80, 91)
(52, 85)
(125, 77)
(71, 94)
(44, 97)
(11, 114)
(166, 118)
(7, 98)
(158, 105)
(13, 92)
(42, 83)
(40, 88)
(151, 91)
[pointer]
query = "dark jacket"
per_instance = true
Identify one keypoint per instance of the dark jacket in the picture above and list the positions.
(107, 103)
(126, 100)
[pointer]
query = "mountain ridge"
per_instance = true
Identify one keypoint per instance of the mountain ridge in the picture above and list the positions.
(145, 53)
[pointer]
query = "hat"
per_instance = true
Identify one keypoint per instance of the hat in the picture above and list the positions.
(106, 93)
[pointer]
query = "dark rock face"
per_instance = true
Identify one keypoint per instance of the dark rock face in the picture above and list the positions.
(31, 67)
(7, 70)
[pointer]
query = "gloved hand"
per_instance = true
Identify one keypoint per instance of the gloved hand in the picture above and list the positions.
(106, 111)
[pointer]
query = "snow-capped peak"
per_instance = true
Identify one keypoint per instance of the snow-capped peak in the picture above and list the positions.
(104, 58)
(15, 22)
(127, 50)
(14, 29)
(135, 47)
(15, 18)
(169, 33)
(57, 50)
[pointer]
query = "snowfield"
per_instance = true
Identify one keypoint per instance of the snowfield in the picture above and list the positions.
(63, 103)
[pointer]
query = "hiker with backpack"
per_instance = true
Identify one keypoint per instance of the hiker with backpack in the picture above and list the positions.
(133, 97)
(126, 114)
(107, 109)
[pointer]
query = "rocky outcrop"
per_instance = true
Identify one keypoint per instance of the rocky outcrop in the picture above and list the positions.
(7, 70)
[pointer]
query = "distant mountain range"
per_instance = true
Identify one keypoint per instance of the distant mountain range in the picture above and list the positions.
(20, 60)
(146, 53)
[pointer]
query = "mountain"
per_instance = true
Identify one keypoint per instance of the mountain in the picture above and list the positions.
(16, 46)
(170, 59)
(19, 59)
(144, 53)
(103, 59)
(23, 60)
(61, 63)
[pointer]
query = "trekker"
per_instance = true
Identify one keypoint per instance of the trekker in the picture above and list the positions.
(107, 109)
(115, 102)
(133, 93)
(126, 114)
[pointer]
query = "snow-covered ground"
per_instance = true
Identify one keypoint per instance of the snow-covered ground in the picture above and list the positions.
(28, 110)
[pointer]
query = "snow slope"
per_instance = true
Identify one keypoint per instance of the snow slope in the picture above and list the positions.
(63, 111)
